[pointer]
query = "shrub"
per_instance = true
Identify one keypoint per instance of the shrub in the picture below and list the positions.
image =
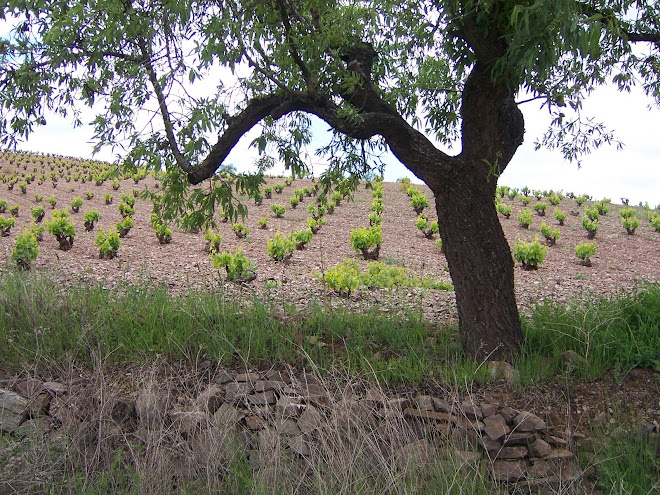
(428, 229)
(38, 213)
(3, 205)
(240, 230)
(627, 212)
(126, 209)
(163, 232)
(419, 202)
(602, 207)
(124, 226)
(525, 218)
(76, 203)
(268, 192)
(115, 184)
(375, 219)
(278, 209)
(630, 223)
(128, 199)
(315, 225)
(404, 183)
(108, 244)
(343, 278)
(336, 197)
(512, 194)
(364, 239)
(655, 223)
(584, 251)
(411, 191)
(63, 229)
(530, 254)
(592, 213)
(280, 247)
(559, 215)
(317, 211)
(302, 237)
(330, 207)
(213, 241)
(262, 223)
(288, 181)
(294, 201)
(38, 198)
(380, 275)
(439, 245)
(52, 201)
(591, 226)
(90, 218)
(26, 250)
(525, 200)
(377, 206)
(5, 225)
(109, 198)
(581, 199)
(89, 195)
(23, 187)
(37, 231)
(540, 208)
(550, 234)
(503, 209)
(278, 188)
(553, 199)
(238, 267)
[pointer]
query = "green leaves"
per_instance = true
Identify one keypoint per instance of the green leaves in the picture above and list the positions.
(530, 254)
(26, 250)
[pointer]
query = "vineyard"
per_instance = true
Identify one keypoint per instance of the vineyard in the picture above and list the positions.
(400, 215)
(315, 334)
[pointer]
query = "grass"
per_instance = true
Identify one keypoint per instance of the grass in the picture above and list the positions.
(620, 333)
(130, 323)
(44, 323)
(626, 464)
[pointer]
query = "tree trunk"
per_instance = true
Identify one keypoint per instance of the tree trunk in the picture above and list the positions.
(480, 264)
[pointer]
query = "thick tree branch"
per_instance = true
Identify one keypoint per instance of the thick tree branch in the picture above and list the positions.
(408, 144)
(653, 38)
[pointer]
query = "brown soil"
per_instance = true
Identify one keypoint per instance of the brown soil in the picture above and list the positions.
(621, 261)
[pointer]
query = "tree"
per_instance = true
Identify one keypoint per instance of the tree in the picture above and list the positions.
(402, 75)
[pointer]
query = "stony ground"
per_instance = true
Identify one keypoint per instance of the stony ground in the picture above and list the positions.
(621, 261)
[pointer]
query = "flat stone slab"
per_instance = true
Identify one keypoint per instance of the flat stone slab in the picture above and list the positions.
(13, 410)
(228, 415)
(495, 426)
(509, 471)
(432, 415)
(540, 448)
(527, 421)
(516, 452)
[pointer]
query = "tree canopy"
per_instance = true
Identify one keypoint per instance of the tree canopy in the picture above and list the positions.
(177, 83)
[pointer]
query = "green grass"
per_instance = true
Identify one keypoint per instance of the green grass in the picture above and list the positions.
(43, 323)
(626, 463)
(619, 333)
(41, 326)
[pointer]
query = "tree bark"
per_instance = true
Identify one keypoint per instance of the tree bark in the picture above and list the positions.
(480, 265)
